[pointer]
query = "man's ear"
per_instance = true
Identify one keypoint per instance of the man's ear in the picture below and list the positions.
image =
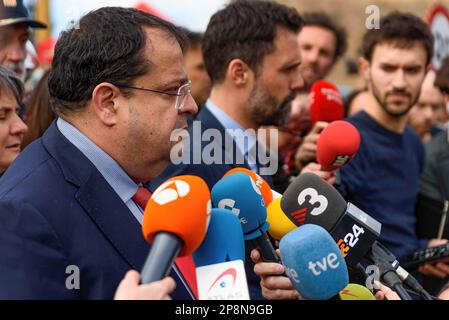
(105, 103)
(238, 72)
(364, 66)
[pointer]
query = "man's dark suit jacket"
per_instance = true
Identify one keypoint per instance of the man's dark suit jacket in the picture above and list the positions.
(57, 211)
(211, 174)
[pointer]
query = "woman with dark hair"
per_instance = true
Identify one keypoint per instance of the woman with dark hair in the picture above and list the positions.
(12, 128)
(39, 114)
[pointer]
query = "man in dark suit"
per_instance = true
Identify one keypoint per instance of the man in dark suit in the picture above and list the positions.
(252, 56)
(69, 224)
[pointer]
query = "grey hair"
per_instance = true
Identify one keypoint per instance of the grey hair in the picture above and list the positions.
(10, 81)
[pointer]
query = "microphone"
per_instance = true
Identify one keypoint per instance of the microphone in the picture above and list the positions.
(279, 223)
(326, 102)
(220, 259)
(174, 222)
(223, 241)
(354, 231)
(307, 199)
(239, 193)
(267, 194)
(314, 263)
(379, 254)
(355, 292)
(337, 145)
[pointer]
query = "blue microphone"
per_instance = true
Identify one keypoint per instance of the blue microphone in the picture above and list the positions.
(223, 242)
(239, 193)
(314, 263)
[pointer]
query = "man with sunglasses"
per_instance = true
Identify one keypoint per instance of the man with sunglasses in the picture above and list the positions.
(70, 215)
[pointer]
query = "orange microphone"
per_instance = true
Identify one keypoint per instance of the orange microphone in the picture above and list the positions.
(268, 195)
(337, 145)
(174, 223)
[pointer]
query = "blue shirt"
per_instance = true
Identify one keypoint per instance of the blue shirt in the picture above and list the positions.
(116, 177)
(246, 142)
(382, 180)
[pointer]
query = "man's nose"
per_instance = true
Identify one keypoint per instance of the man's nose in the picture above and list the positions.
(190, 106)
(298, 82)
(399, 81)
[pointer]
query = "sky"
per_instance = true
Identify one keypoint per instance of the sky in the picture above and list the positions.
(193, 14)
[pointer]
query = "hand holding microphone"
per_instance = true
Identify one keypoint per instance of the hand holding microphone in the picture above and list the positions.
(326, 106)
(130, 289)
(314, 264)
(306, 152)
(317, 169)
(336, 146)
(310, 200)
(274, 283)
(385, 293)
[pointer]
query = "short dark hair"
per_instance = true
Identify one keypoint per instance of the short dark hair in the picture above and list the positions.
(324, 21)
(399, 28)
(442, 78)
(245, 30)
(194, 39)
(10, 82)
(107, 46)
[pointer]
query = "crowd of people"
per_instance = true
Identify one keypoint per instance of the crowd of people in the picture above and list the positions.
(83, 142)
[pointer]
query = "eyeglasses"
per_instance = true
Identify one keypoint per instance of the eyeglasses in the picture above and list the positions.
(181, 96)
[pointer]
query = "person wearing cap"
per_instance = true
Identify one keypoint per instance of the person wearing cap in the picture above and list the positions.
(15, 24)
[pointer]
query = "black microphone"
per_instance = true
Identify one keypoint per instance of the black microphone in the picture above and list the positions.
(379, 252)
(309, 199)
(381, 257)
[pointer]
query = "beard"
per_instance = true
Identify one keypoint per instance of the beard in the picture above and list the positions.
(386, 107)
(265, 110)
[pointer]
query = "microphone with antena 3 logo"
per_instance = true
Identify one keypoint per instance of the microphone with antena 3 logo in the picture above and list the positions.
(174, 223)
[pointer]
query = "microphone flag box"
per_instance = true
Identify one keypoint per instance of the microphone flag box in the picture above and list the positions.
(355, 233)
(222, 281)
